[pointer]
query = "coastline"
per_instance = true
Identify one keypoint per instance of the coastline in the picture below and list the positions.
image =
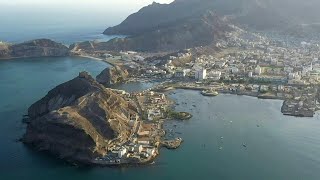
(83, 56)
(95, 58)
(23, 57)
(285, 110)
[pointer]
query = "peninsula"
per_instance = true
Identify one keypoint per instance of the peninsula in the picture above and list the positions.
(84, 122)
(33, 48)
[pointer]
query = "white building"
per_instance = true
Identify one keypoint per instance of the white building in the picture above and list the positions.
(201, 74)
(122, 152)
(250, 74)
(153, 114)
(293, 76)
(138, 58)
(258, 70)
(151, 151)
(215, 75)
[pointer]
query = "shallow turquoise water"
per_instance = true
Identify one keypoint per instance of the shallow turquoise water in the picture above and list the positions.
(280, 148)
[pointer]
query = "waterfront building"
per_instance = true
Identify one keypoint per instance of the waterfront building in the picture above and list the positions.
(201, 74)
(215, 75)
(151, 151)
(180, 73)
(123, 151)
(138, 148)
(143, 141)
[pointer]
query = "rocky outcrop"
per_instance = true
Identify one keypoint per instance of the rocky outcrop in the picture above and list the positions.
(79, 120)
(4, 50)
(34, 48)
(112, 75)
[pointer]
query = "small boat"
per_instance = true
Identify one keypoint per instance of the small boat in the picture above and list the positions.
(244, 145)
(209, 92)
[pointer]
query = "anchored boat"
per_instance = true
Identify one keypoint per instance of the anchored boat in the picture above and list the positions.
(209, 92)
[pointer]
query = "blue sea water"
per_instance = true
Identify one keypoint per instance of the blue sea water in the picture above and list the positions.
(19, 23)
(277, 146)
(280, 148)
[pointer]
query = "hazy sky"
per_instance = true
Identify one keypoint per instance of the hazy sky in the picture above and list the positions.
(110, 12)
(96, 3)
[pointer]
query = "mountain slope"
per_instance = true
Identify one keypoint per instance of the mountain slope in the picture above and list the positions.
(191, 31)
(156, 16)
(257, 14)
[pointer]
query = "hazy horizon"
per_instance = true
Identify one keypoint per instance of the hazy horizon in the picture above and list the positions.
(94, 10)
(28, 19)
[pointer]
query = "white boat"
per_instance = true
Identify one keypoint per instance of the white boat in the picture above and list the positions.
(209, 93)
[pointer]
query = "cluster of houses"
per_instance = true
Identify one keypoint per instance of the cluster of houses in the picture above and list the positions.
(144, 141)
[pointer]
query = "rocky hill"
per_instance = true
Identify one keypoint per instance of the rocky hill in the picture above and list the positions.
(188, 32)
(157, 16)
(255, 14)
(78, 120)
(112, 75)
(34, 48)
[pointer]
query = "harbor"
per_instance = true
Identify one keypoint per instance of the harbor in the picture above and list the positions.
(299, 101)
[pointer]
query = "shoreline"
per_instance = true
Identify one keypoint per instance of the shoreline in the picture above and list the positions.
(285, 110)
(95, 58)
(23, 57)
(82, 56)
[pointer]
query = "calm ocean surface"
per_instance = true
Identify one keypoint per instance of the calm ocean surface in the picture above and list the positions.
(278, 147)
(22, 25)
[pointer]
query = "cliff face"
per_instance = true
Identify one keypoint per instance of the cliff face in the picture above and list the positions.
(112, 75)
(78, 120)
(34, 48)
